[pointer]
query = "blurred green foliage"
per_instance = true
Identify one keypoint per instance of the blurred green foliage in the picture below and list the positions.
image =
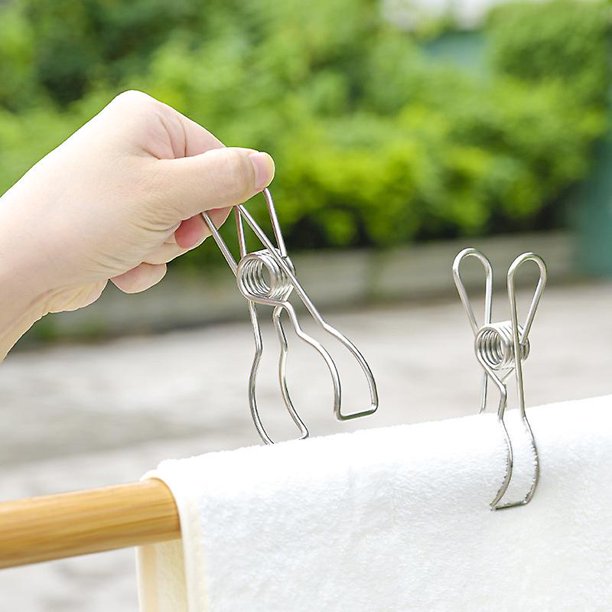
(375, 143)
(561, 41)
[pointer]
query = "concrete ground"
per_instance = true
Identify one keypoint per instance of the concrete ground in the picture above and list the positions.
(85, 416)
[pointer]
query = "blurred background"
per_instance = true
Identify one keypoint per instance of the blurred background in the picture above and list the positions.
(403, 131)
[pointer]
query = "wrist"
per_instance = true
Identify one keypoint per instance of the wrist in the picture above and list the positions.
(19, 310)
(22, 303)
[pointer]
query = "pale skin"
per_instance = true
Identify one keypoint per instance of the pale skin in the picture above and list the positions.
(117, 201)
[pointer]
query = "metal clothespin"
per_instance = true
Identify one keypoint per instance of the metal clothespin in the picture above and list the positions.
(501, 349)
(267, 277)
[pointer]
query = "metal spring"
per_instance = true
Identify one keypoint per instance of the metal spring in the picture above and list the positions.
(261, 279)
(494, 343)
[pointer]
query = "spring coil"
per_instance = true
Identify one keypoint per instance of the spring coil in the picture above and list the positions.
(261, 279)
(495, 345)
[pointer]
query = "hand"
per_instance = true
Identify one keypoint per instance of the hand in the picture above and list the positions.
(116, 201)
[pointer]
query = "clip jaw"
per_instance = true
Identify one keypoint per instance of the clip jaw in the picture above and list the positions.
(501, 349)
(267, 277)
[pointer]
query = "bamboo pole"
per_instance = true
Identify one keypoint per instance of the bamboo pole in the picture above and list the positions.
(57, 526)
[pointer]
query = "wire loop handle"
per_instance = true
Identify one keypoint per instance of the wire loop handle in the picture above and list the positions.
(501, 349)
(267, 277)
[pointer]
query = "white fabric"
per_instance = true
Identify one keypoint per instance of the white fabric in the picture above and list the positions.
(393, 519)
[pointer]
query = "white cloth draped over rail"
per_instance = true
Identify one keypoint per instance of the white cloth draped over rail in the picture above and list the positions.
(393, 520)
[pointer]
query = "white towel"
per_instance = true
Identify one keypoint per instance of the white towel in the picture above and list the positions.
(393, 519)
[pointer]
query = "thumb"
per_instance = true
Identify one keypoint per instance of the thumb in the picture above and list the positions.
(218, 178)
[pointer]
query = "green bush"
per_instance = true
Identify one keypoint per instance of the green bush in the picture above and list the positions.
(80, 43)
(18, 83)
(562, 41)
(375, 144)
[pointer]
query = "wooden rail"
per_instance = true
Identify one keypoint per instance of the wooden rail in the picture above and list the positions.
(57, 526)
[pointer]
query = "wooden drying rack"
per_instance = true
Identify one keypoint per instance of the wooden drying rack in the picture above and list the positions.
(95, 520)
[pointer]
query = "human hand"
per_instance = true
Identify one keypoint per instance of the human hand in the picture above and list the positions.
(118, 200)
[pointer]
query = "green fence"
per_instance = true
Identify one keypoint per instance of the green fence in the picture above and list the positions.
(593, 218)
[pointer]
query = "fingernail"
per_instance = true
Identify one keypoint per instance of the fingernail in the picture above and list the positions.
(263, 165)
